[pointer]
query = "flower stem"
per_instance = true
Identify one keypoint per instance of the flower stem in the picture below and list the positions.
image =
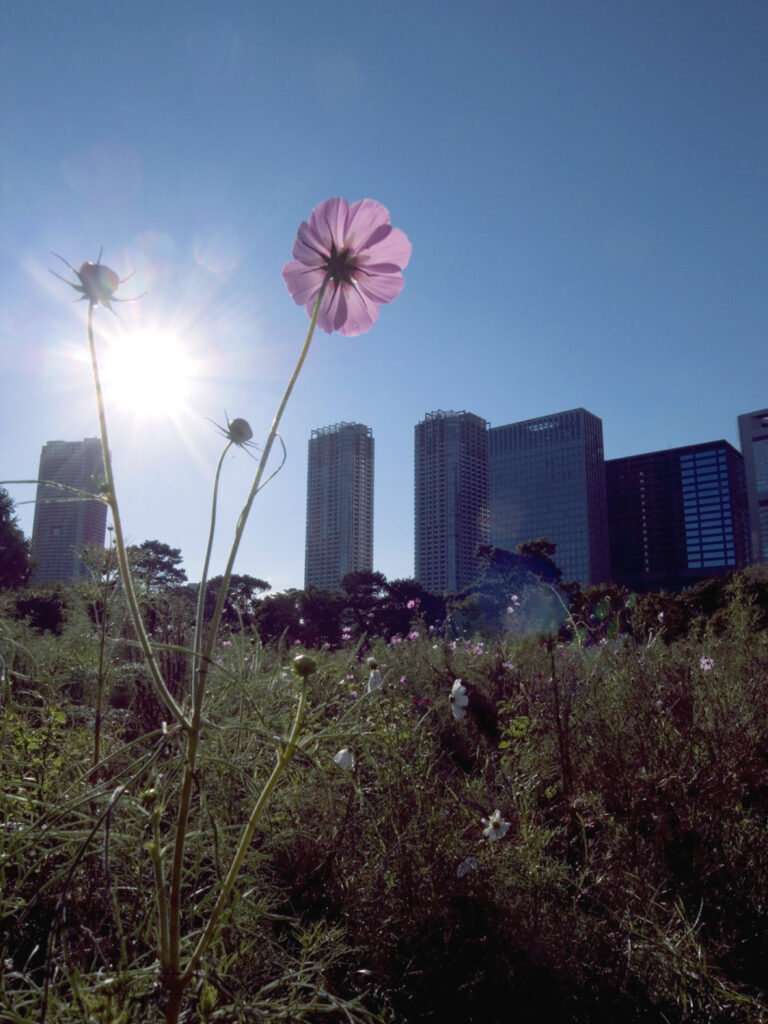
(122, 557)
(175, 980)
(200, 616)
(240, 528)
(285, 755)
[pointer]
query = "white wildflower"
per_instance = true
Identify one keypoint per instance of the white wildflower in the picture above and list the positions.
(458, 699)
(495, 826)
(375, 682)
(345, 759)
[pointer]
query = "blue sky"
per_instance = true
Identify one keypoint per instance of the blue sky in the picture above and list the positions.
(584, 184)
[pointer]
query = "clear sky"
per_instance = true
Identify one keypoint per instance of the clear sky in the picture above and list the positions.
(585, 184)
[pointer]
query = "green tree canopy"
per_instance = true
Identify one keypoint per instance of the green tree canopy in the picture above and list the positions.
(157, 565)
(15, 558)
(241, 601)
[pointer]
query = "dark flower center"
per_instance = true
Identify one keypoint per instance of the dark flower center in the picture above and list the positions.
(341, 265)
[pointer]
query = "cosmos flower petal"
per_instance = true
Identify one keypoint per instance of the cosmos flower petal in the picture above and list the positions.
(389, 253)
(309, 250)
(303, 282)
(362, 314)
(328, 222)
(367, 225)
(346, 311)
(380, 288)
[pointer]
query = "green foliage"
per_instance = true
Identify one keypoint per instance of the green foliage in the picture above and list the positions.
(156, 566)
(15, 555)
(631, 766)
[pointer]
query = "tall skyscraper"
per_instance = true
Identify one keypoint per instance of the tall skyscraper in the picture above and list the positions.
(547, 479)
(64, 524)
(753, 431)
(677, 516)
(451, 492)
(339, 504)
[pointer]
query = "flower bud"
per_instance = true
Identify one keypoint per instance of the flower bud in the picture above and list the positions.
(304, 666)
(240, 431)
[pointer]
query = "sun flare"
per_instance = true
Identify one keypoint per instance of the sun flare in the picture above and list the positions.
(149, 374)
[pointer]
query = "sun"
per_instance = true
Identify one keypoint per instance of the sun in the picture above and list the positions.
(149, 374)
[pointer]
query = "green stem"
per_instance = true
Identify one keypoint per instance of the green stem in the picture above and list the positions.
(122, 557)
(285, 755)
(199, 619)
(175, 981)
(240, 528)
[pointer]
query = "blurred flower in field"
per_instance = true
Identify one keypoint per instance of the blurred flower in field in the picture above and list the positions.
(361, 256)
(395, 640)
(706, 664)
(345, 759)
(477, 649)
(508, 666)
(459, 699)
(452, 646)
(468, 865)
(495, 826)
(413, 603)
(414, 634)
(375, 682)
(403, 680)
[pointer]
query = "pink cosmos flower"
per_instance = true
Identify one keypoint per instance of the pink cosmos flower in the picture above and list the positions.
(361, 254)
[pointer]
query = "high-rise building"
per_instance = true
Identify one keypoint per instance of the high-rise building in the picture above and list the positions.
(451, 498)
(64, 523)
(339, 504)
(753, 431)
(677, 516)
(547, 479)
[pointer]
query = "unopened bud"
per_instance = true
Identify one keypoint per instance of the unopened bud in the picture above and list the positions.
(304, 666)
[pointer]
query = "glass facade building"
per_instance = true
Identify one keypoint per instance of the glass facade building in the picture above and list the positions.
(64, 524)
(339, 536)
(753, 433)
(677, 516)
(451, 498)
(547, 479)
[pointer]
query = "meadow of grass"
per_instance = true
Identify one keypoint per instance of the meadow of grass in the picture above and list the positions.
(629, 759)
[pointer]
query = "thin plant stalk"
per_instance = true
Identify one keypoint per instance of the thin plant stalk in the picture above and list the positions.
(122, 557)
(255, 487)
(199, 618)
(175, 981)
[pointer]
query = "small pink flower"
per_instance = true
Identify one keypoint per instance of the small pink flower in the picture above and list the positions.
(413, 603)
(403, 680)
(358, 252)
(478, 649)
(452, 646)
(706, 664)
(414, 634)
(507, 666)
(395, 640)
